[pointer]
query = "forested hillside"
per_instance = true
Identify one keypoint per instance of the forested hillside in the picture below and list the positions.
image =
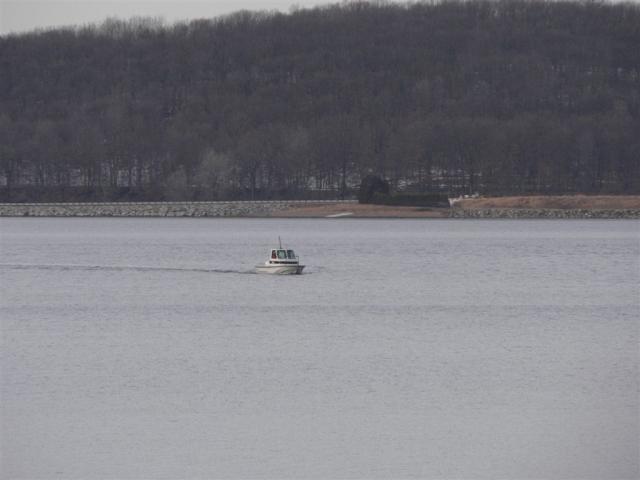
(476, 96)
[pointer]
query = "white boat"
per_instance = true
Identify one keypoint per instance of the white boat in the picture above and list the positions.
(282, 261)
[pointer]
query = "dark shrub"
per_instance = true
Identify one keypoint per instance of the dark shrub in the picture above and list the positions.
(370, 186)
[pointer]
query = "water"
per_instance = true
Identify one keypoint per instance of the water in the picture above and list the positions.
(147, 348)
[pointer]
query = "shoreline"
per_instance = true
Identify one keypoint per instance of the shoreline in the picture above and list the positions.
(552, 207)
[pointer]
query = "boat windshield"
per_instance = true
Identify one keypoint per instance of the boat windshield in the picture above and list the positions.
(282, 254)
(291, 255)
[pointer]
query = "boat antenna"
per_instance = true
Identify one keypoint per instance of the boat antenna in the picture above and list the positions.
(280, 242)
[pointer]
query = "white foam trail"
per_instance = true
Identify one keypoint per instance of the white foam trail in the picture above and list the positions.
(59, 267)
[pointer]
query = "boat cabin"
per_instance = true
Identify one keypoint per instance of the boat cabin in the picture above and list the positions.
(283, 256)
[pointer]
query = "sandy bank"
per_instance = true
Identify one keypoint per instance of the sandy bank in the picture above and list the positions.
(356, 210)
(568, 206)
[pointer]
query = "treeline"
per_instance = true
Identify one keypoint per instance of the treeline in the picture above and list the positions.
(496, 97)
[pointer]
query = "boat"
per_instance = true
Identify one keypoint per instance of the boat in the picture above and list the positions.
(282, 261)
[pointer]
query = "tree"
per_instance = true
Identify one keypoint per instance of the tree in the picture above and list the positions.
(489, 96)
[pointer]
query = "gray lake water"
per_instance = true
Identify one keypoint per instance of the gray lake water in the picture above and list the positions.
(146, 348)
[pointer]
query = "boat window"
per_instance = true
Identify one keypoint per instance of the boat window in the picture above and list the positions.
(282, 254)
(291, 255)
(273, 254)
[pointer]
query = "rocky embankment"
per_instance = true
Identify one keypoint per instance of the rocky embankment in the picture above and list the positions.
(543, 213)
(500, 207)
(548, 206)
(154, 209)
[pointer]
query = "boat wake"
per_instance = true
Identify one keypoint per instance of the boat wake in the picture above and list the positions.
(116, 268)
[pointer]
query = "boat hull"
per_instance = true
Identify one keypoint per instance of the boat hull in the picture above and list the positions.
(280, 269)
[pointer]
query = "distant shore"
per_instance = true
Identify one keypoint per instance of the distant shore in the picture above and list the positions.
(569, 206)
